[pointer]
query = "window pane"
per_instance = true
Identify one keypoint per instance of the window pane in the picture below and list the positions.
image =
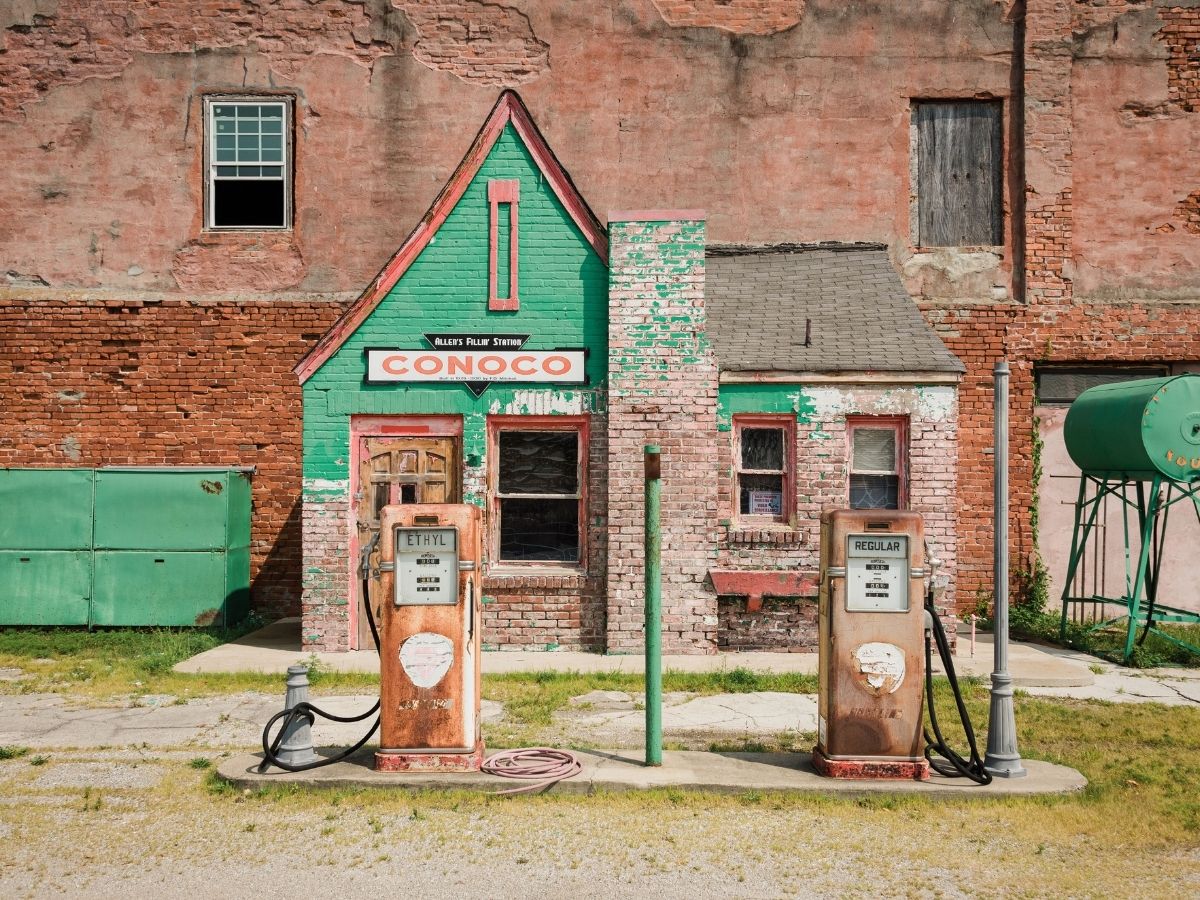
(247, 112)
(874, 450)
(225, 126)
(225, 155)
(271, 126)
(760, 495)
(227, 171)
(874, 492)
(247, 126)
(272, 154)
(539, 462)
(247, 204)
(762, 448)
(271, 112)
(224, 112)
(272, 172)
(539, 530)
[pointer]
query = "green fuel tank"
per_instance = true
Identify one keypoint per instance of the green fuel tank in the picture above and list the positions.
(1137, 429)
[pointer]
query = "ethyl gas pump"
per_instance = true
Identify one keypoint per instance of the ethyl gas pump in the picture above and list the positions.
(429, 642)
(872, 669)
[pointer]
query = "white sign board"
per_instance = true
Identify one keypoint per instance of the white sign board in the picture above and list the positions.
(540, 366)
(877, 573)
(426, 566)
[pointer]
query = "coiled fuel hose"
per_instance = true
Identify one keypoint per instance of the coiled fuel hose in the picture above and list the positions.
(951, 764)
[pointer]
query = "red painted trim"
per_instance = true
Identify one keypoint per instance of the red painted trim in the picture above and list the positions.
(657, 215)
(900, 425)
(502, 192)
(496, 424)
(509, 108)
(759, 583)
(382, 426)
(766, 420)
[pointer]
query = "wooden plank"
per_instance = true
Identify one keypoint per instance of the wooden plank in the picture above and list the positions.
(960, 174)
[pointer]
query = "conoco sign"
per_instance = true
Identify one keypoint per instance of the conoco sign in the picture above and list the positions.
(476, 361)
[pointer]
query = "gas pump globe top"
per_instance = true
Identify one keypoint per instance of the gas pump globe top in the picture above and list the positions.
(428, 609)
(871, 640)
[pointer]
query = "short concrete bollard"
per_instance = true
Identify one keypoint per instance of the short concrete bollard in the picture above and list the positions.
(296, 749)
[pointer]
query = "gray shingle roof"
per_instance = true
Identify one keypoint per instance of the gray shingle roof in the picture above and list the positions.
(863, 319)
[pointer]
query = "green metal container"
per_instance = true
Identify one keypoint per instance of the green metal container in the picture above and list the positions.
(46, 509)
(1137, 429)
(45, 587)
(124, 546)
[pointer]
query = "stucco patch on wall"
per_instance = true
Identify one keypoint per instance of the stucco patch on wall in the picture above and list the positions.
(219, 263)
(483, 43)
(737, 16)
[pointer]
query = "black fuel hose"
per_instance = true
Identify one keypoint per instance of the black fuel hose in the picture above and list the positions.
(307, 711)
(951, 765)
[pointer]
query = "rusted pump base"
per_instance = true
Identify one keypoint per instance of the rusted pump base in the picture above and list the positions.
(399, 761)
(895, 770)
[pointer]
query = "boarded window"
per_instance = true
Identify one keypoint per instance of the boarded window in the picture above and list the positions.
(538, 495)
(959, 174)
(877, 464)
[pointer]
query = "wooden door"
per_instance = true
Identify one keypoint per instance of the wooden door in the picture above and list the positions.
(395, 470)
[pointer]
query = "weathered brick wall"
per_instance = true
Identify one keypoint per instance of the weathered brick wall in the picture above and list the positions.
(823, 483)
(98, 382)
(328, 580)
(1181, 34)
(662, 390)
(782, 625)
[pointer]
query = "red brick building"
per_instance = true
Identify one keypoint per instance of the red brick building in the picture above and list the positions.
(1031, 170)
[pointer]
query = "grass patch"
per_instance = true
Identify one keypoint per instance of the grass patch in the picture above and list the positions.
(13, 752)
(1109, 643)
(118, 662)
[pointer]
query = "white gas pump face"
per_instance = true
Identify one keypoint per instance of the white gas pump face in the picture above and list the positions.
(426, 567)
(877, 573)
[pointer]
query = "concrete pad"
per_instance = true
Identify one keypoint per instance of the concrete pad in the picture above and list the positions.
(277, 646)
(621, 770)
(760, 712)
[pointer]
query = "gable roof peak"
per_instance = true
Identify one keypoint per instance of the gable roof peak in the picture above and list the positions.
(510, 109)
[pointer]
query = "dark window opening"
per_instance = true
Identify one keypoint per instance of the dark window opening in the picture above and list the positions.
(545, 530)
(239, 203)
(874, 492)
(1060, 385)
(408, 493)
(538, 496)
(762, 471)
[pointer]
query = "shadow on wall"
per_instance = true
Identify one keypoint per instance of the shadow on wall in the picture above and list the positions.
(275, 587)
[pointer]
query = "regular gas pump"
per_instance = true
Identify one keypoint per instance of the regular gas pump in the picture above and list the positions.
(428, 610)
(872, 625)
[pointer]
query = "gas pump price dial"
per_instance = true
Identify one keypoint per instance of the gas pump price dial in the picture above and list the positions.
(426, 566)
(877, 573)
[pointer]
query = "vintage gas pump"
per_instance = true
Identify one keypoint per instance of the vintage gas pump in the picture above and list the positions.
(871, 632)
(428, 610)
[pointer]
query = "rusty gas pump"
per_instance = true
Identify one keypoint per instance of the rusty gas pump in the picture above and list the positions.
(871, 624)
(428, 609)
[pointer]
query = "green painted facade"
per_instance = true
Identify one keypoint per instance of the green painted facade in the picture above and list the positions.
(762, 399)
(563, 293)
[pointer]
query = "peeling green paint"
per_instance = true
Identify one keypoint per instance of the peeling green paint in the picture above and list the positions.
(773, 399)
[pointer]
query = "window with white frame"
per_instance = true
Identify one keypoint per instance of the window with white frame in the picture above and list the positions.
(878, 479)
(538, 477)
(248, 150)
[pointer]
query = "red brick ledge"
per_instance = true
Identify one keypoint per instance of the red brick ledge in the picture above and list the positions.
(754, 584)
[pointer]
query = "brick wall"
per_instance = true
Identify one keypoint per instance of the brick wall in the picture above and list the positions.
(328, 584)
(822, 483)
(662, 390)
(1181, 34)
(98, 382)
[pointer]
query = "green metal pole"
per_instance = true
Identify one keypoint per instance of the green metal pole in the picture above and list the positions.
(653, 607)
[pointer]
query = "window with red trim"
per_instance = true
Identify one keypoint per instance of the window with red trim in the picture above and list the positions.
(764, 452)
(538, 477)
(878, 462)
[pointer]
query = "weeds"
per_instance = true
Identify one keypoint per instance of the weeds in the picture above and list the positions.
(39, 760)
(13, 752)
(201, 762)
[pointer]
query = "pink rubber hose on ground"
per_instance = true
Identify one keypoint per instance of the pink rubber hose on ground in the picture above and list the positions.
(543, 765)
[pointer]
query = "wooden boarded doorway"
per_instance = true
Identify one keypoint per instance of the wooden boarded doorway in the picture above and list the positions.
(395, 470)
